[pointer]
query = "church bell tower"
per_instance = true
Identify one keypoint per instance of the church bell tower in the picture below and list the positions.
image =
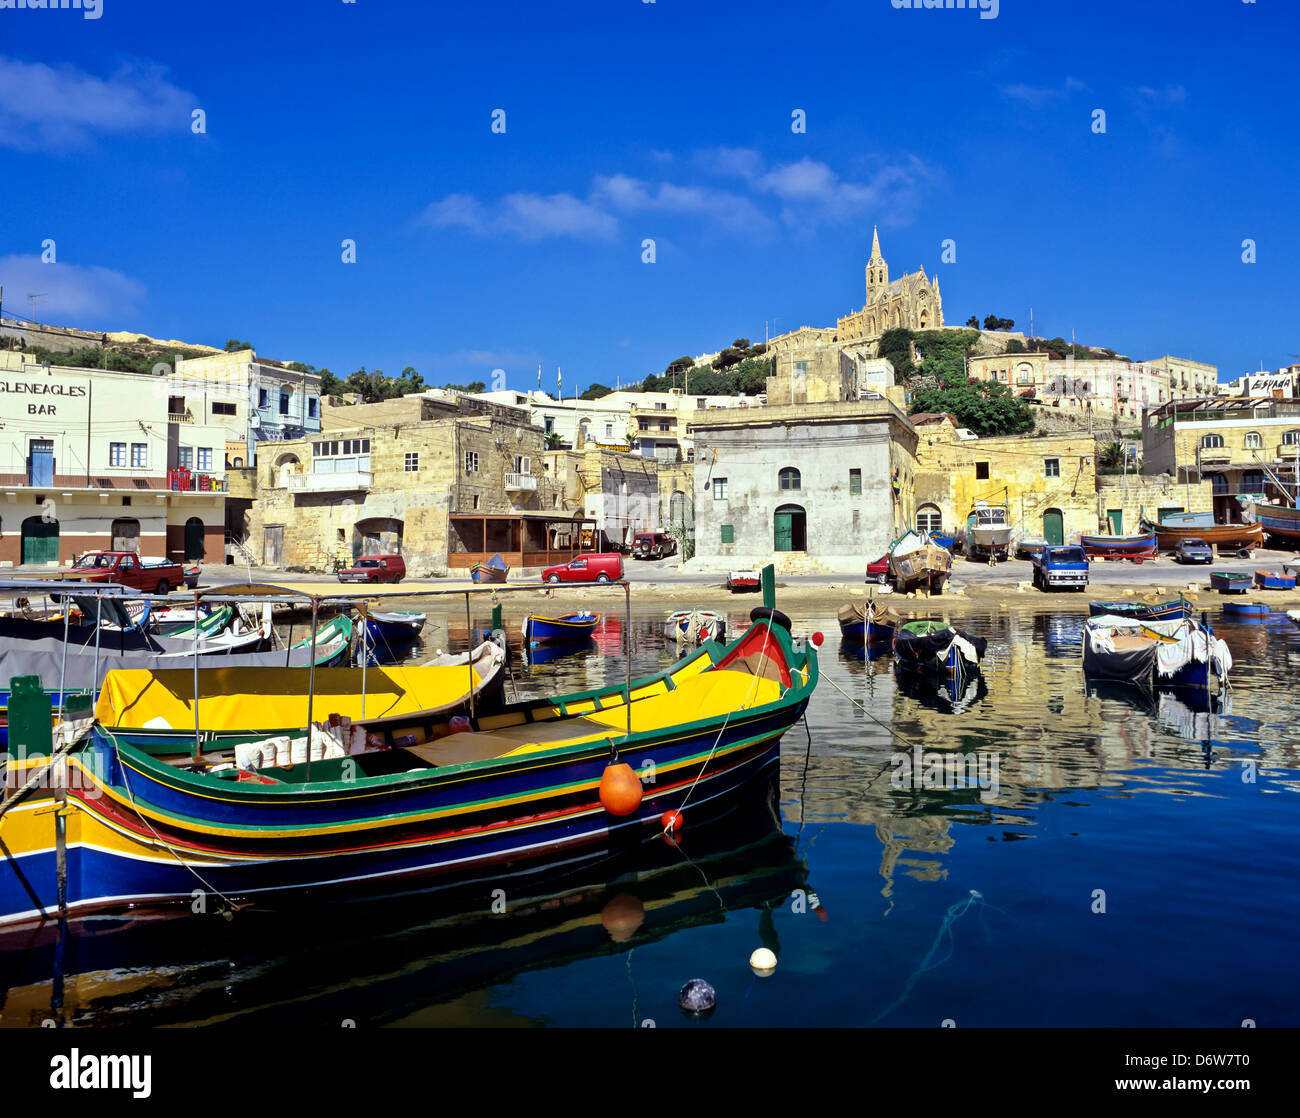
(877, 269)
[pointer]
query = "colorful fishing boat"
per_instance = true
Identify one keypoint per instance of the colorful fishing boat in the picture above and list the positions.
(1230, 582)
(1247, 609)
(1230, 537)
(571, 627)
(1168, 610)
(869, 624)
(1180, 653)
(1274, 580)
(1276, 520)
(1136, 548)
(691, 626)
(939, 539)
(745, 581)
(531, 784)
(154, 711)
(937, 646)
(389, 636)
(494, 570)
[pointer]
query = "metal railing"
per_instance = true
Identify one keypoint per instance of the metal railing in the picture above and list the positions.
(521, 481)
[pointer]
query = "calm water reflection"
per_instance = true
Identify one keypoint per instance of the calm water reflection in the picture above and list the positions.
(1135, 867)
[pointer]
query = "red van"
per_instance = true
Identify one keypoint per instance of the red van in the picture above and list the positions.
(599, 566)
(375, 568)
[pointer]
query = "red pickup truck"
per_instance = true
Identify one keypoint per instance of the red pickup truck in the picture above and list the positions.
(126, 568)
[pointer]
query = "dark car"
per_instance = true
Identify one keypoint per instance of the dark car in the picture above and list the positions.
(1193, 551)
(653, 545)
(879, 571)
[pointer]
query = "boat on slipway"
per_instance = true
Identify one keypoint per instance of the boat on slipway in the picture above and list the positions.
(1233, 537)
(528, 784)
(1137, 548)
(1182, 652)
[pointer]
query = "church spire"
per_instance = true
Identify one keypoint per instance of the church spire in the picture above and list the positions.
(877, 269)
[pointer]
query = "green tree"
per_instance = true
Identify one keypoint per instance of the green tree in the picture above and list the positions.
(896, 345)
(679, 365)
(986, 407)
(973, 322)
(1112, 454)
(728, 357)
(1015, 345)
(234, 345)
(595, 392)
(554, 442)
(740, 343)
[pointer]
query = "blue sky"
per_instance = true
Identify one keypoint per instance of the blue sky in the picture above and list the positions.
(625, 121)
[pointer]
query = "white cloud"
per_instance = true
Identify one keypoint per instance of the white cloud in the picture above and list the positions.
(1039, 96)
(802, 193)
(72, 291)
(50, 108)
(529, 217)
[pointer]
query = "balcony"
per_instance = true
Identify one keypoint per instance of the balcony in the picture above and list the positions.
(521, 482)
(329, 483)
(180, 416)
(1215, 455)
(182, 480)
(1286, 453)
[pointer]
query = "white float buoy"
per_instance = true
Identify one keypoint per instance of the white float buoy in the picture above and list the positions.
(763, 962)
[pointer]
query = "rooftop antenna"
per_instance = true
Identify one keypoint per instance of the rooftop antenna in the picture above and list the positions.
(34, 298)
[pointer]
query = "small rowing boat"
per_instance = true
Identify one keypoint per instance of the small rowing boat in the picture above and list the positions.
(937, 646)
(1169, 610)
(1138, 547)
(571, 627)
(868, 624)
(1233, 537)
(1177, 653)
(494, 570)
(691, 626)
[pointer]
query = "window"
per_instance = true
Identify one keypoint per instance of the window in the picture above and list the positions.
(609, 430)
(728, 533)
(261, 397)
(471, 461)
(801, 368)
(665, 426)
(719, 488)
(139, 456)
(855, 482)
(185, 457)
(789, 478)
(550, 424)
(701, 401)
(223, 409)
(1290, 438)
(1252, 481)
(411, 461)
(1051, 467)
(1253, 440)
(661, 407)
(284, 403)
(1211, 442)
(117, 454)
(205, 458)
(312, 404)
(981, 471)
(928, 519)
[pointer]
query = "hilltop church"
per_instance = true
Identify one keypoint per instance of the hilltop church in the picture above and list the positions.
(912, 301)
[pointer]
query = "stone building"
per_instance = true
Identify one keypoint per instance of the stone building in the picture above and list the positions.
(1243, 446)
(618, 492)
(812, 487)
(911, 301)
(443, 486)
(1186, 379)
(1049, 484)
(93, 460)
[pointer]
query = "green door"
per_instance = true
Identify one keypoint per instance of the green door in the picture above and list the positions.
(1115, 517)
(40, 540)
(194, 539)
(1054, 527)
(783, 531)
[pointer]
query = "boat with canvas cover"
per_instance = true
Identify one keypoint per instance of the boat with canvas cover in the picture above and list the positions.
(937, 646)
(1183, 652)
(869, 623)
(531, 783)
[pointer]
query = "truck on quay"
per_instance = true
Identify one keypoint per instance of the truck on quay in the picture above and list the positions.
(1060, 567)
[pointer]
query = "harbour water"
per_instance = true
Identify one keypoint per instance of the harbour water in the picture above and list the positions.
(1048, 854)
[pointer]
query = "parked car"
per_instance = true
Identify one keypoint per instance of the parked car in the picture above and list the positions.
(1193, 551)
(375, 568)
(599, 566)
(653, 545)
(126, 568)
(879, 571)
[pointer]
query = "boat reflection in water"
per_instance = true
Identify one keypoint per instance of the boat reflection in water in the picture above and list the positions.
(948, 694)
(1192, 713)
(857, 650)
(409, 954)
(546, 653)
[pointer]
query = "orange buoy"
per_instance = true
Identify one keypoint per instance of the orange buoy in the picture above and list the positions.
(672, 821)
(620, 790)
(622, 916)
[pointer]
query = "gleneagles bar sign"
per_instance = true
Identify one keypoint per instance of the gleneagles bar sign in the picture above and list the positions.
(42, 388)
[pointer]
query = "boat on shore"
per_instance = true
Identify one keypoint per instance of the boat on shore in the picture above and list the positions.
(1136, 548)
(1233, 537)
(1168, 610)
(869, 624)
(915, 561)
(988, 531)
(494, 570)
(1230, 582)
(1279, 521)
(1274, 580)
(530, 784)
(1178, 653)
